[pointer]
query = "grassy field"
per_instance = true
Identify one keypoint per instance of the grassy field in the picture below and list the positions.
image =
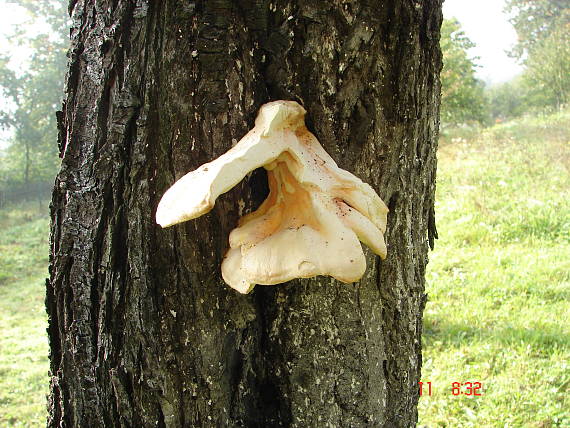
(23, 339)
(498, 284)
(499, 280)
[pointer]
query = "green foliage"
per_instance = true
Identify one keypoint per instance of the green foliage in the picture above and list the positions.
(499, 278)
(543, 29)
(462, 95)
(508, 100)
(535, 21)
(33, 95)
(547, 72)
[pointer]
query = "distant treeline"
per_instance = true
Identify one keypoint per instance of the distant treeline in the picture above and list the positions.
(18, 192)
(543, 48)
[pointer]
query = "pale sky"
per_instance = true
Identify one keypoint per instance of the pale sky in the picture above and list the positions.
(484, 22)
(11, 16)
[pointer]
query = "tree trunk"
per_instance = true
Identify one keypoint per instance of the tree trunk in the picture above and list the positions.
(27, 163)
(143, 331)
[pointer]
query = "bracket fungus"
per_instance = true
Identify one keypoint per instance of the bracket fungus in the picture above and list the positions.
(312, 220)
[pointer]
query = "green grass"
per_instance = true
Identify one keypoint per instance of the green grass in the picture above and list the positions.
(23, 340)
(499, 280)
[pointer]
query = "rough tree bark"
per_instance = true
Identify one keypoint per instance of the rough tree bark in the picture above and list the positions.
(143, 332)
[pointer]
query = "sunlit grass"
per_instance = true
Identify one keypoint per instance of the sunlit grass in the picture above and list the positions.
(23, 340)
(499, 280)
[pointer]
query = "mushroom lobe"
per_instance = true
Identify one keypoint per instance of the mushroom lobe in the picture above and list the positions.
(310, 223)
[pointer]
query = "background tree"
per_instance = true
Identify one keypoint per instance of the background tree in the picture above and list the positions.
(507, 99)
(547, 73)
(143, 331)
(543, 29)
(33, 94)
(462, 94)
(535, 20)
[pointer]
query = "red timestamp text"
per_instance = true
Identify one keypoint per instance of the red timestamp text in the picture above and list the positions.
(466, 388)
(457, 388)
(427, 386)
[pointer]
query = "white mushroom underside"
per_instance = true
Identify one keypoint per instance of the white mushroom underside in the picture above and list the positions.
(312, 220)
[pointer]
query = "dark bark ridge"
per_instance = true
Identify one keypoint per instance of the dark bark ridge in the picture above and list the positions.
(142, 330)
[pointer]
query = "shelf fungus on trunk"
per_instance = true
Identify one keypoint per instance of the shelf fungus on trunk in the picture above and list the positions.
(312, 220)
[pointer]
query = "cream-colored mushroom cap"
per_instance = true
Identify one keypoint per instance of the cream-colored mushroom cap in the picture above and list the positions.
(312, 220)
